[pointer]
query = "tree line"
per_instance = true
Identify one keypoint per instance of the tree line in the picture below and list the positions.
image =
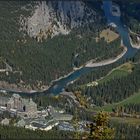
(46, 61)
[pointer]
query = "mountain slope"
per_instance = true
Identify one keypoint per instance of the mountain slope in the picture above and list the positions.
(54, 17)
(35, 64)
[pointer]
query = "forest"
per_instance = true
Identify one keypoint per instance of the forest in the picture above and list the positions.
(122, 131)
(114, 90)
(130, 14)
(34, 62)
(126, 131)
(11, 132)
(55, 57)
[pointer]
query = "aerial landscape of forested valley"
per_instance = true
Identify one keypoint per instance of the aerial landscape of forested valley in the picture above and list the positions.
(70, 69)
(75, 49)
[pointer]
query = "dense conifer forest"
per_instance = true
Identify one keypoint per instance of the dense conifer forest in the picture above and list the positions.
(46, 61)
(114, 90)
(122, 131)
(111, 87)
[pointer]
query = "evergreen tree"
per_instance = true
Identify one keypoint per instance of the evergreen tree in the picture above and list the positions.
(99, 129)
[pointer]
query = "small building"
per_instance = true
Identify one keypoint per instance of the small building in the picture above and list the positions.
(65, 126)
(62, 117)
(21, 123)
(112, 24)
(19, 105)
(31, 109)
(2, 109)
(92, 84)
(39, 125)
(43, 113)
(3, 101)
(59, 110)
(5, 121)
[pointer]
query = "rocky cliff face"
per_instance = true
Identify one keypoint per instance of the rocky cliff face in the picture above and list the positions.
(56, 17)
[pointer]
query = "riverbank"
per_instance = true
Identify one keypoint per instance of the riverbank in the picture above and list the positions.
(57, 85)
(19, 89)
(15, 88)
(108, 61)
(136, 46)
(115, 10)
(92, 65)
(66, 75)
(5, 86)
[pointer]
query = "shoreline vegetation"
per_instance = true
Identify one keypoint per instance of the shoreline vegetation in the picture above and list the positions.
(137, 46)
(5, 86)
(52, 68)
(91, 63)
(87, 64)
(107, 61)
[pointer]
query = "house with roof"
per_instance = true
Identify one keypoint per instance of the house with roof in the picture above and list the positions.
(42, 125)
(21, 123)
(22, 107)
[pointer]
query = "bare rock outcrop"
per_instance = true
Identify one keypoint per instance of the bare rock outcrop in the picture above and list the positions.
(56, 17)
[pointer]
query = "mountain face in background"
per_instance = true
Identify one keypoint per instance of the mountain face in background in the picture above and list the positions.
(56, 17)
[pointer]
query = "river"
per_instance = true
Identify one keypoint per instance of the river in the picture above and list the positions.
(59, 85)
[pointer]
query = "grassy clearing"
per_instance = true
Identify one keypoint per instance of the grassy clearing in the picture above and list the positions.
(118, 72)
(132, 99)
(132, 121)
(108, 35)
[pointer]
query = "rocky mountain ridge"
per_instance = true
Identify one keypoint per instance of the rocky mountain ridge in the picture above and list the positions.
(51, 18)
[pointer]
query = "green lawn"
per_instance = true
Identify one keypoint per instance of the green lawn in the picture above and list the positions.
(132, 99)
(118, 72)
(121, 71)
(115, 74)
(132, 121)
